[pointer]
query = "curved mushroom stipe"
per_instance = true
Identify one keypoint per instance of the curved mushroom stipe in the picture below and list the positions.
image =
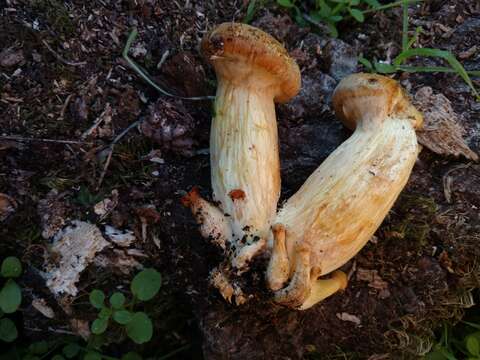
(341, 205)
(253, 71)
(323, 288)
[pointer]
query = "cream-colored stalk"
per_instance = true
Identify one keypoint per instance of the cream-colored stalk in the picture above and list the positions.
(341, 205)
(245, 163)
(253, 71)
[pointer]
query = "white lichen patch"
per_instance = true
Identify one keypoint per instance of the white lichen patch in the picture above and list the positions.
(74, 248)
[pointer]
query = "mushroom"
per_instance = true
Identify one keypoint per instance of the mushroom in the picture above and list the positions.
(253, 71)
(340, 206)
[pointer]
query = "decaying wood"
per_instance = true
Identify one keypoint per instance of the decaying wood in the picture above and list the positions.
(441, 133)
(74, 248)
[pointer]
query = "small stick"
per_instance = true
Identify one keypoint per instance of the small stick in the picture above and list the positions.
(105, 168)
(162, 59)
(60, 58)
(144, 75)
(110, 151)
(19, 138)
(97, 122)
(124, 132)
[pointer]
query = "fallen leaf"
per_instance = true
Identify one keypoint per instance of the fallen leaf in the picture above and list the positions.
(119, 261)
(104, 207)
(11, 57)
(43, 308)
(148, 214)
(374, 281)
(7, 206)
(81, 328)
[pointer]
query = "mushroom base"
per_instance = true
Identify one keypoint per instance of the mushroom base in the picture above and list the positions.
(339, 208)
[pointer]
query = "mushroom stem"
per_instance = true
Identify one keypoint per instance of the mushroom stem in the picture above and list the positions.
(341, 205)
(244, 158)
(253, 71)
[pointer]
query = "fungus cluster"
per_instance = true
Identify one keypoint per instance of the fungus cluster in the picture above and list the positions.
(341, 204)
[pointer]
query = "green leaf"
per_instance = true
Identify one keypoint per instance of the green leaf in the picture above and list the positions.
(299, 17)
(10, 297)
(11, 267)
(8, 330)
(335, 18)
(472, 345)
(146, 284)
(58, 357)
(97, 341)
(38, 348)
(140, 328)
(383, 68)
(117, 300)
(435, 355)
(105, 313)
(365, 62)
(131, 356)
(373, 3)
(99, 326)
(251, 8)
(86, 198)
(446, 353)
(356, 14)
(285, 3)
(324, 10)
(71, 350)
(332, 28)
(97, 297)
(354, 2)
(92, 355)
(122, 317)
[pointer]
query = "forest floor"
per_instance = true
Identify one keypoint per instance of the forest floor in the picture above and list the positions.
(62, 77)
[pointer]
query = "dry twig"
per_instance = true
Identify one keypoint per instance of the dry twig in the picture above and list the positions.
(60, 58)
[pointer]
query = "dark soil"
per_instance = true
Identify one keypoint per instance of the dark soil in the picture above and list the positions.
(61, 70)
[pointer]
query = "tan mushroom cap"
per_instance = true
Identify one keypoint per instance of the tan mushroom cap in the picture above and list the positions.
(364, 97)
(242, 42)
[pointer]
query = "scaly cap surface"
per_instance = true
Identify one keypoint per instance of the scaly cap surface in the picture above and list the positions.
(247, 44)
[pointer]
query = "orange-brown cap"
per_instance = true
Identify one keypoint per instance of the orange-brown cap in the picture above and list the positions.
(371, 96)
(235, 42)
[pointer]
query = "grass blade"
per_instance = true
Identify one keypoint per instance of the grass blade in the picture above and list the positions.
(432, 69)
(144, 74)
(476, 326)
(391, 5)
(445, 55)
(405, 26)
(251, 9)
